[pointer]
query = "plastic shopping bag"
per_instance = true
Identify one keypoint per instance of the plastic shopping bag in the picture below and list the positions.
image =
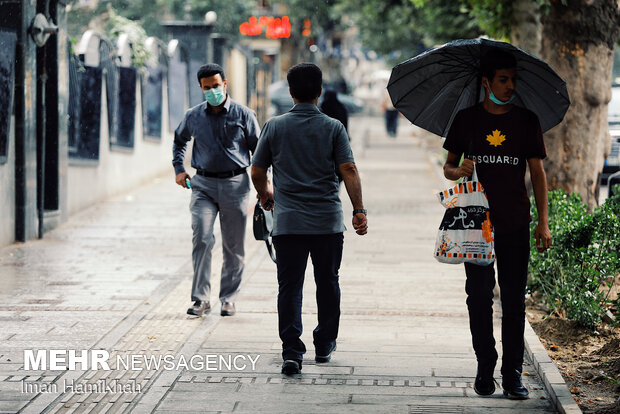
(465, 233)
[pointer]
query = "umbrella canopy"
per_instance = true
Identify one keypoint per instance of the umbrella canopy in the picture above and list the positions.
(432, 87)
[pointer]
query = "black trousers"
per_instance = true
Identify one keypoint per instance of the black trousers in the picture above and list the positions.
(391, 121)
(292, 252)
(512, 256)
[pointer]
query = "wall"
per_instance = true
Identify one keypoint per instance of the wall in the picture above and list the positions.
(120, 170)
(7, 191)
(237, 75)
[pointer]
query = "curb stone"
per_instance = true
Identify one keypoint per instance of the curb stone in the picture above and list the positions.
(549, 373)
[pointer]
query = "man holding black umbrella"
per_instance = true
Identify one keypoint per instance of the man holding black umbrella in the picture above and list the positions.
(501, 138)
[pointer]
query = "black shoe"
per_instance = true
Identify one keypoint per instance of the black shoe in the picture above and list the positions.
(485, 383)
(200, 307)
(513, 387)
(291, 367)
(228, 309)
(326, 357)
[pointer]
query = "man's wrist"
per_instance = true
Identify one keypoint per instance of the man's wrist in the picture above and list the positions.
(360, 210)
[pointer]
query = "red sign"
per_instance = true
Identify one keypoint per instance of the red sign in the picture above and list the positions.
(274, 27)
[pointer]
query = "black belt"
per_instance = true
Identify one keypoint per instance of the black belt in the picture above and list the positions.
(225, 174)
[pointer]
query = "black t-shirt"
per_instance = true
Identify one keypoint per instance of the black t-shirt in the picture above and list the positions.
(501, 146)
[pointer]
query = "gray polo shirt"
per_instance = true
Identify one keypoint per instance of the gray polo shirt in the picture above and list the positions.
(304, 146)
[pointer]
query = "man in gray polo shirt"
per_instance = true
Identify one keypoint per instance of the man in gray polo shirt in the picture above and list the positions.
(303, 146)
(224, 132)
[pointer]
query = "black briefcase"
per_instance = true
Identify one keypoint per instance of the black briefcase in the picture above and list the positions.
(262, 225)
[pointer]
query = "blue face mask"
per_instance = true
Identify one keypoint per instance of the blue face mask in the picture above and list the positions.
(494, 99)
(215, 96)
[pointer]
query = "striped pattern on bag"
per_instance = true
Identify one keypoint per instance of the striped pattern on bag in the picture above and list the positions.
(461, 188)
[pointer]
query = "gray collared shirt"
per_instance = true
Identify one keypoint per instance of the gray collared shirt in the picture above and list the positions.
(304, 146)
(222, 141)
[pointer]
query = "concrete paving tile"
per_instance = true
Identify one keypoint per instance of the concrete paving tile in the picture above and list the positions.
(334, 387)
(215, 379)
(452, 400)
(394, 371)
(325, 369)
(11, 406)
(186, 411)
(16, 395)
(228, 401)
(318, 408)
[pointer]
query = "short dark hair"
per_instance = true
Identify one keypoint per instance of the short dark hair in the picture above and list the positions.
(209, 70)
(495, 59)
(305, 81)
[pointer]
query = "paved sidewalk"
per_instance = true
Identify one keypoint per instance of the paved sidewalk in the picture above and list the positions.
(117, 278)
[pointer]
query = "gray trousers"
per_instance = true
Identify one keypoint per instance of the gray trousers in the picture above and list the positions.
(229, 198)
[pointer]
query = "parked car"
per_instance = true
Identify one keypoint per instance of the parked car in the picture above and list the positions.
(612, 163)
(281, 100)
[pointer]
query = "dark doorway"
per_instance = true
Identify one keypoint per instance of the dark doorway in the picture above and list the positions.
(47, 120)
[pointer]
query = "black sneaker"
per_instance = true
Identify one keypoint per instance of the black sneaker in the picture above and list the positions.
(484, 383)
(514, 388)
(326, 357)
(291, 367)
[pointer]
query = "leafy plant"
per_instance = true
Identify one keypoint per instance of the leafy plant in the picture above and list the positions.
(117, 25)
(576, 275)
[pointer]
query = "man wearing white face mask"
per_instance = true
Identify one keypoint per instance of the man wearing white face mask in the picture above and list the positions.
(503, 139)
(224, 132)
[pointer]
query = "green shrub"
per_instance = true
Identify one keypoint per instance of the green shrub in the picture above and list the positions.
(576, 275)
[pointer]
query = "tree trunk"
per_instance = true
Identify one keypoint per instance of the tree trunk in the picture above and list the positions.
(526, 27)
(578, 42)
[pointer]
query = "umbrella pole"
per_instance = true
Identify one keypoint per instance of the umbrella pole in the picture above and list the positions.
(476, 101)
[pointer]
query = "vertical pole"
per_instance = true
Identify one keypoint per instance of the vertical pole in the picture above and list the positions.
(43, 119)
(43, 115)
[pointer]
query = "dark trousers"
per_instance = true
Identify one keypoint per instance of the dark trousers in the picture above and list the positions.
(292, 252)
(512, 256)
(391, 121)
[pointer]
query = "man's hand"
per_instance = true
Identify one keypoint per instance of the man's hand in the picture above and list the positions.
(539, 184)
(180, 179)
(543, 237)
(452, 170)
(264, 189)
(467, 168)
(360, 223)
(266, 200)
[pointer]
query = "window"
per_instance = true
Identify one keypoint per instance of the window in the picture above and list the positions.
(8, 41)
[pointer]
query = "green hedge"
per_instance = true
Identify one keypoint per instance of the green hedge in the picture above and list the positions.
(576, 275)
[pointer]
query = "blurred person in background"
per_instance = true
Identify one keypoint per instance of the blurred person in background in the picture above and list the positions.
(391, 114)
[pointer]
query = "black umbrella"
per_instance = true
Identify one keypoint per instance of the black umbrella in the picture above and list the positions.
(430, 88)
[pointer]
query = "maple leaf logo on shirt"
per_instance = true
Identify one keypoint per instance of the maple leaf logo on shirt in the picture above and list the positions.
(496, 139)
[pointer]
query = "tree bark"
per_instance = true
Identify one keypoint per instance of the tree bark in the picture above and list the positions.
(578, 42)
(526, 27)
